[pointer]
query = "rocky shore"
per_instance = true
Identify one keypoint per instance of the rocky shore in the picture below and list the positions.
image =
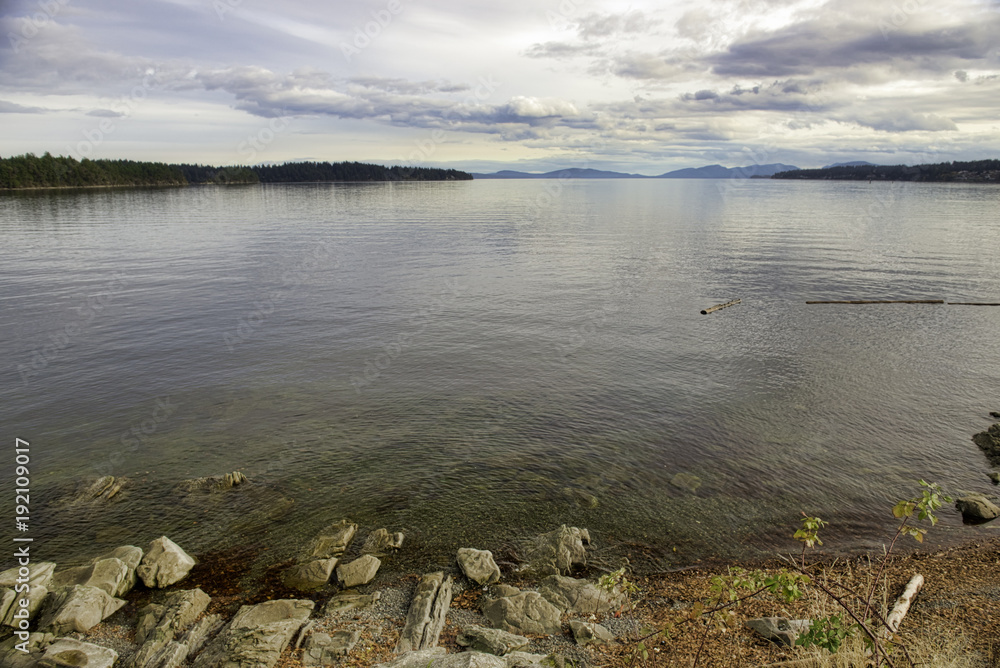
(158, 607)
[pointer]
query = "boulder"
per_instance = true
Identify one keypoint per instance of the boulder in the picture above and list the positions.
(112, 575)
(505, 590)
(437, 658)
(164, 564)
(10, 603)
(69, 652)
(333, 540)
(976, 508)
(310, 575)
(491, 641)
(380, 542)
(478, 565)
(12, 657)
(989, 442)
(78, 608)
(359, 572)
(579, 596)
(526, 660)
(341, 603)
(130, 554)
(558, 552)
(256, 636)
(322, 649)
(159, 626)
(39, 573)
(426, 615)
(416, 659)
(778, 629)
(527, 613)
(590, 634)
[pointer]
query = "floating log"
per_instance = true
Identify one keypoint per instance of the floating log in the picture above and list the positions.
(903, 604)
(973, 303)
(720, 306)
(882, 301)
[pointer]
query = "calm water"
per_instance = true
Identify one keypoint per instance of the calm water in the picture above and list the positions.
(467, 361)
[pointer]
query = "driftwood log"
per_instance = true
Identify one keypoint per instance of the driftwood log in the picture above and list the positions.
(903, 604)
(973, 303)
(712, 309)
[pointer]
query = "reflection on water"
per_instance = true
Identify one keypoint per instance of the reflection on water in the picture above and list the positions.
(469, 361)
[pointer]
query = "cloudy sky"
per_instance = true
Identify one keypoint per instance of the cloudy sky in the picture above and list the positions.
(481, 85)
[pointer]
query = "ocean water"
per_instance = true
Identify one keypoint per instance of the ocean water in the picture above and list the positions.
(472, 362)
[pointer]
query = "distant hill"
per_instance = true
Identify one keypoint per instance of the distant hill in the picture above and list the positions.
(976, 171)
(708, 172)
(856, 163)
(720, 172)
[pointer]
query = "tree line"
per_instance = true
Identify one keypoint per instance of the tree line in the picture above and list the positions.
(976, 171)
(48, 171)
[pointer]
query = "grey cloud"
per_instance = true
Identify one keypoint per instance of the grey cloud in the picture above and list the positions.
(406, 87)
(105, 113)
(962, 75)
(562, 50)
(14, 108)
(904, 121)
(609, 25)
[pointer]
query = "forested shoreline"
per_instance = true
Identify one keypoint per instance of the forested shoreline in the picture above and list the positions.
(977, 171)
(48, 171)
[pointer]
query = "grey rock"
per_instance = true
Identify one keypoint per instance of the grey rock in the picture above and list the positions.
(10, 603)
(105, 489)
(215, 482)
(322, 649)
(310, 575)
(130, 554)
(491, 641)
(256, 636)
(78, 608)
(112, 575)
(505, 590)
(69, 652)
(159, 626)
(526, 660)
(164, 564)
(778, 629)
(201, 632)
(478, 565)
(171, 655)
(426, 615)
(579, 596)
(380, 542)
(989, 442)
(38, 573)
(359, 572)
(12, 657)
(416, 659)
(333, 540)
(587, 634)
(558, 552)
(341, 603)
(524, 613)
(976, 508)
(995, 477)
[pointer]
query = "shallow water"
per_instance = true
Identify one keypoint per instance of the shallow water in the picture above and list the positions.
(468, 361)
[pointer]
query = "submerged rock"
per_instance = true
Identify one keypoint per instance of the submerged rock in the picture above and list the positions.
(989, 442)
(976, 508)
(164, 564)
(215, 482)
(105, 489)
(478, 565)
(558, 552)
(333, 540)
(380, 542)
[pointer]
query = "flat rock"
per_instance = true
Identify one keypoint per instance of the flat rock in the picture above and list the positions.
(977, 508)
(437, 658)
(778, 629)
(78, 608)
(310, 575)
(427, 613)
(579, 596)
(164, 564)
(359, 572)
(526, 660)
(526, 613)
(333, 540)
(341, 603)
(416, 659)
(558, 552)
(256, 636)
(322, 649)
(38, 573)
(159, 626)
(112, 575)
(478, 565)
(491, 641)
(586, 633)
(380, 542)
(10, 603)
(989, 442)
(66, 652)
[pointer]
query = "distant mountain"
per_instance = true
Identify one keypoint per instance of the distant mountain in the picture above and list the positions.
(571, 173)
(856, 163)
(709, 172)
(720, 172)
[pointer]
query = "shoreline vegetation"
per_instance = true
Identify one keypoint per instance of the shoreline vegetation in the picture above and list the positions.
(978, 171)
(24, 172)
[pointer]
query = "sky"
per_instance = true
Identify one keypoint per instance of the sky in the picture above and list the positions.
(643, 87)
